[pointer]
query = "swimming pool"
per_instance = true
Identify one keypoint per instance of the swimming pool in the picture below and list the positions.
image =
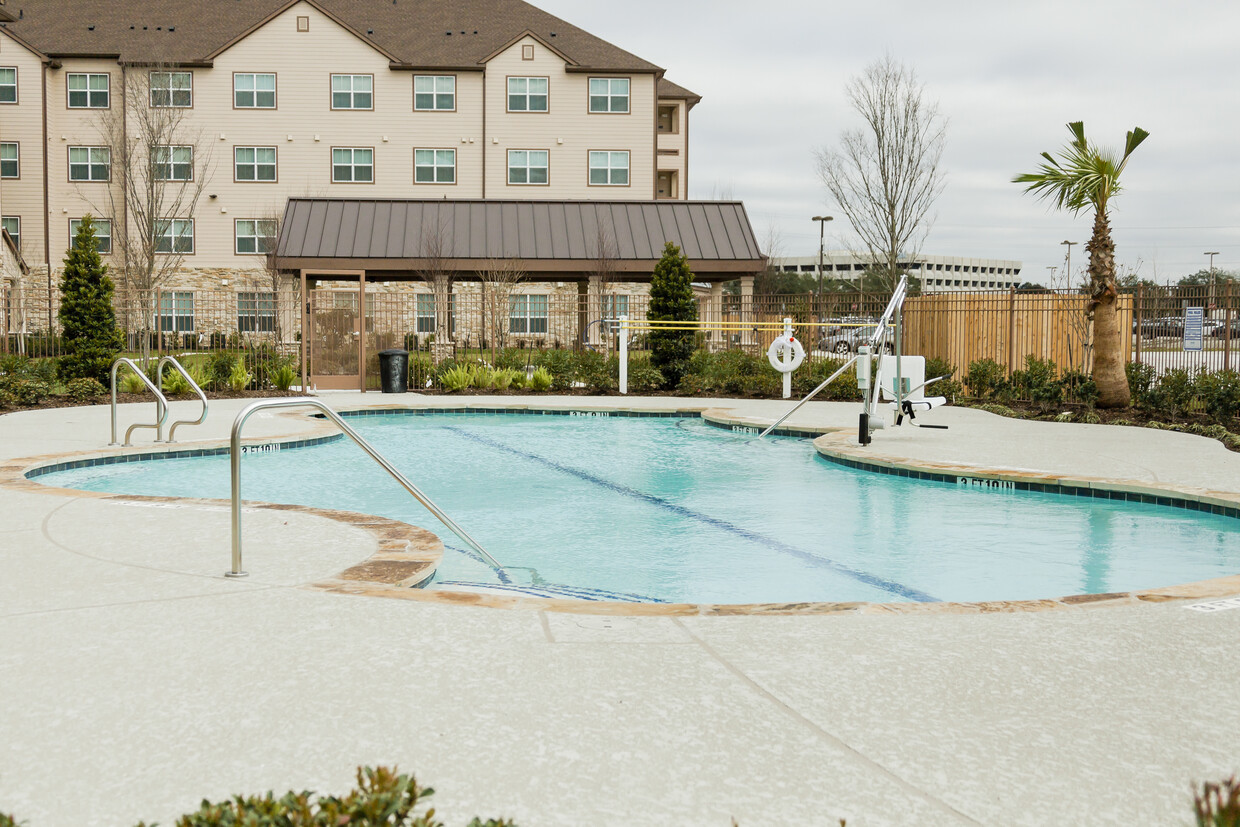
(672, 509)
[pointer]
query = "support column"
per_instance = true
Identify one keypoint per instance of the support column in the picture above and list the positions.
(714, 315)
(442, 348)
(747, 313)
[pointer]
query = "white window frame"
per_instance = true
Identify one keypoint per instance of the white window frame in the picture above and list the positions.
(353, 165)
(425, 313)
(606, 91)
(520, 89)
(177, 97)
(255, 165)
(352, 91)
(256, 312)
(253, 91)
(174, 162)
(16, 160)
(527, 167)
(91, 93)
(252, 231)
(176, 312)
(174, 231)
(528, 313)
(437, 168)
(92, 163)
(103, 238)
(9, 222)
(441, 86)
(4, 85)
(605, 161)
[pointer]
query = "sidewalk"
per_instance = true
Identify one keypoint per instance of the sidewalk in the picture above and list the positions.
(136, 680)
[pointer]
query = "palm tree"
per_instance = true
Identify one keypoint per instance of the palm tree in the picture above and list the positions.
(1085, 176)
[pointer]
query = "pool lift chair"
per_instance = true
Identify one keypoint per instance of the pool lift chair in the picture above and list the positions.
(899, 381)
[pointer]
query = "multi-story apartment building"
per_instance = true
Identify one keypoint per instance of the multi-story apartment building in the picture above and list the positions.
(938, 274)
(473, 99)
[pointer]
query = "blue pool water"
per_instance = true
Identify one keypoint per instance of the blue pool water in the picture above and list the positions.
(672, 509)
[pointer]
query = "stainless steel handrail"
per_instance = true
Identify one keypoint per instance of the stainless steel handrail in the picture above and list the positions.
(296, 402)
(161, 403)
(159, 380)
(809, 396)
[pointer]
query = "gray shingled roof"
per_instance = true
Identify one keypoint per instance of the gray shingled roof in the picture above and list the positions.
(672, 91)
(549, 235)
(414, 32)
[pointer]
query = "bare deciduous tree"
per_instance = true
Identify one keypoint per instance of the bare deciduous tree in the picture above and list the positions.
(885, 176)
(435, 272)
(159, 167)
(14, 269)
(499, 278)
(603, 277)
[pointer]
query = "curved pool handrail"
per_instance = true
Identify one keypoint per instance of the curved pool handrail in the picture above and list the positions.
(234, 454)
(161, 403)
(159, 380)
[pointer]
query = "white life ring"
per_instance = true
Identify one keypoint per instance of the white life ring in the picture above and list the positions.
(782, 343)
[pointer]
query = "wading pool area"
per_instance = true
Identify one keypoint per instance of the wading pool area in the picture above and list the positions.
(1006, 622)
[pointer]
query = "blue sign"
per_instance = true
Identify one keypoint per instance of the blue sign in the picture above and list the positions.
(1193, 333)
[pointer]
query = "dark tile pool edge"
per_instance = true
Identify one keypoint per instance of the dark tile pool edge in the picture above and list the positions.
(1010, 481)
(151, 456)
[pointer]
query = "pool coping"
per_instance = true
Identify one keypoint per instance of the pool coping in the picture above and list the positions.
(407, 556)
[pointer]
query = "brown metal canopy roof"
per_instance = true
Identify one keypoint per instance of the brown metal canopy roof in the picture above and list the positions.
(388, 238)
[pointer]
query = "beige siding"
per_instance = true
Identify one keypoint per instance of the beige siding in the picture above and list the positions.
(568, 130)
(78, 127)
(678, 143)
(23, 123)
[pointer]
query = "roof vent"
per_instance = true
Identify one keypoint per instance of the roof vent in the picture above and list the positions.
(370, 31)
(553, 34)
(90, 28)
(172, 28)
(449, 34)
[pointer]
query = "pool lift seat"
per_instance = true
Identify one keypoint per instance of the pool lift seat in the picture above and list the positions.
(912, 373)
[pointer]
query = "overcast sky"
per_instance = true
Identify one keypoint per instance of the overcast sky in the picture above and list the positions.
(1007, 76)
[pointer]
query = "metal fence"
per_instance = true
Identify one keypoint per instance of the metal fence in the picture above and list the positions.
(1006, 326)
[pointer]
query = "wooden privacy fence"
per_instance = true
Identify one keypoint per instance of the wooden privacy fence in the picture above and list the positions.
(1006, 327)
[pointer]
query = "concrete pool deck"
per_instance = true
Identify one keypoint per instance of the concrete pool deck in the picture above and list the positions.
(137, 680)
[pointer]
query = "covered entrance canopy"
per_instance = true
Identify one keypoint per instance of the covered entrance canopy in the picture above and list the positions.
(441, 241)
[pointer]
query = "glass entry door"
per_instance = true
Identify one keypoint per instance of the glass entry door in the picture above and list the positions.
(337, 334)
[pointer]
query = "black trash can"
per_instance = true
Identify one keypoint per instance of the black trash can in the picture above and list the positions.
(394, 370)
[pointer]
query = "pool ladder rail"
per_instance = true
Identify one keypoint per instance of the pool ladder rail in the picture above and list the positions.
(303, 401)
(161, 401)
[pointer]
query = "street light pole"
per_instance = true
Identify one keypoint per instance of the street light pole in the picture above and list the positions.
(1212, 289)
(1053, 270)
(1068, 267)
(822, 227)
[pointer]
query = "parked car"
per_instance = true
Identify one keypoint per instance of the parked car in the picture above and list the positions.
(1162, 326)
(847, 338)
(1220, 330)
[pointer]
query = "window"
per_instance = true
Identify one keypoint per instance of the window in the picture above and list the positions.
(615, 306)
(8, 84)
(353, 91)
(8, 161)
(609, 169)
(353, 165)
(254, 91)
(527, 52)
(254, 163)
(90, 163)
(103, 232)
(434, 166)
(426, 313)
(175, 236)
(172, 89)
(609, 95)
(527, 94)
(256, 312)
(88, 91)
(527, 314)
(13, 223)
(255, 236)
(434, 92)
(303, 23)
(173, 163)
(176, 312)
(527, 166)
